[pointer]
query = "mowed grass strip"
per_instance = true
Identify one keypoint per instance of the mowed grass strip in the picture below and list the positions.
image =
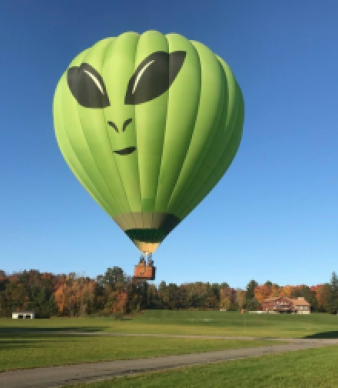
(21, 351)
(192, 323)
(310, 368)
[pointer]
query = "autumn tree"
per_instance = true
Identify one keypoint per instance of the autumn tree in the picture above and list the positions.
(240, 298)
(275, 291)
(321, 292)
(60, 295)
(286, 291)
(227, 298)
(262, 292)
(120, 304)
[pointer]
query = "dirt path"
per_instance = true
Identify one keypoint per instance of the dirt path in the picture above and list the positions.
(71, 374)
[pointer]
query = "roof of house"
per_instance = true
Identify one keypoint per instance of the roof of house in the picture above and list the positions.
(300, 301)
(271, 299)
(23, 312)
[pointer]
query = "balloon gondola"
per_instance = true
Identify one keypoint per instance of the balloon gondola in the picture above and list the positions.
(148, 124)
(145, 269)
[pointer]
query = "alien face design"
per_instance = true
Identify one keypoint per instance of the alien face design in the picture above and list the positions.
(152, 78)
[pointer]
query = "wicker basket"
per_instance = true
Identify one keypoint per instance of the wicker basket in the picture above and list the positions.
(145, 272)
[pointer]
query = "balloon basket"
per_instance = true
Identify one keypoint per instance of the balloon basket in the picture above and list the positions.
(144, 272)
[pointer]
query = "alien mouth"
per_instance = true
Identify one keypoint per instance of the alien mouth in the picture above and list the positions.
(125, 151)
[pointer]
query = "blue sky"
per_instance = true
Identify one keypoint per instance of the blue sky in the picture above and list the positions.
(279, 199)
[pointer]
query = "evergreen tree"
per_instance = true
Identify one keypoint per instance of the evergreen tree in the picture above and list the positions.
(250, 300)
(332, 301)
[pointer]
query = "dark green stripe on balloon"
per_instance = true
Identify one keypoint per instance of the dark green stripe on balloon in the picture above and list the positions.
(147, 235)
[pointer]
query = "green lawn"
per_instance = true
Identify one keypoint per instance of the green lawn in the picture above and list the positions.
(28, 350)
(23, 346)
(194, 323)
(311, 368)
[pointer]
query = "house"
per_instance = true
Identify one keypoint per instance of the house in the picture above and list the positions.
(281, 304)
(23, 315)
(301, 305)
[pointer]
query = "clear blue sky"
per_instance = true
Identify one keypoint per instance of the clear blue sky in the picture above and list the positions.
(279, 199)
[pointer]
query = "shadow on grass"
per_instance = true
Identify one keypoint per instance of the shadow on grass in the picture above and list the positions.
(22, 344)
(324, 335)
(31, 340)
(50, 330)
(10, 344)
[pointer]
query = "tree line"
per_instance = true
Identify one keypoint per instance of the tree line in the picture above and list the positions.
(115, 294)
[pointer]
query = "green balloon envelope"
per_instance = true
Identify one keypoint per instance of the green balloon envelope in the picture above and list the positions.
(148, 124)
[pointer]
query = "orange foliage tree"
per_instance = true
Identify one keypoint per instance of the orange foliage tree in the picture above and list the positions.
(262, 292)
(120, 304)
(275, 291)
(322, 295)
(286, 291)
(60, 294)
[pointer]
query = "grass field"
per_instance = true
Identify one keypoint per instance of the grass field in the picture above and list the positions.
(311, 368)
(193, 323)
(36, 343)
(26, 350)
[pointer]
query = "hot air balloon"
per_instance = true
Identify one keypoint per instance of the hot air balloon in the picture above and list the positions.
(148, 124)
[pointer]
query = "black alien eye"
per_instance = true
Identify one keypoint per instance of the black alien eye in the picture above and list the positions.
(87, 86)
(154, 76)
